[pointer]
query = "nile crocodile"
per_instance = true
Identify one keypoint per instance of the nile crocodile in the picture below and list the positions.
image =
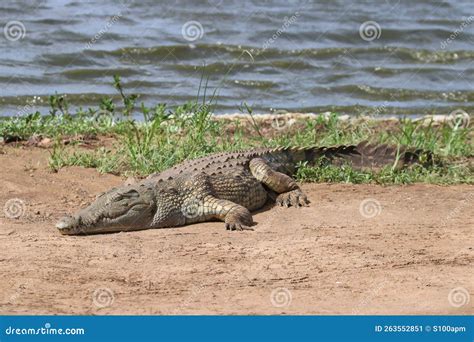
(225, 186)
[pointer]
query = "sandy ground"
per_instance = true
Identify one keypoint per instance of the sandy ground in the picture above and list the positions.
(413, 257)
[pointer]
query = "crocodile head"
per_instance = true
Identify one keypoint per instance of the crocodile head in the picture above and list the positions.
(131, 207)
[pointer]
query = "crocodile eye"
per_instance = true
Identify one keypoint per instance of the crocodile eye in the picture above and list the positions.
(127, 195)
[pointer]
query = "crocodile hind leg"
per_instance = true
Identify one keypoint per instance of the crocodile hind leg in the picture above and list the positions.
(289, 192)
(235, 216)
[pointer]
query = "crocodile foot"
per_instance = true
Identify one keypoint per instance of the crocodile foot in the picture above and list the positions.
(295, 198)
(241, 220)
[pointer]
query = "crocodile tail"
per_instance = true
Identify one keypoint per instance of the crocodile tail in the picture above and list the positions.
(369, 156)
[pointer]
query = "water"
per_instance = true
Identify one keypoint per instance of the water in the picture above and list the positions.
(306, 56)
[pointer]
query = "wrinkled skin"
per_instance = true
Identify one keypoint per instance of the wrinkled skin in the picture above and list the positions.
(127, 208)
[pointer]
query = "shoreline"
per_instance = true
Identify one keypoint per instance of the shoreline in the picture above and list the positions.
(436, 118)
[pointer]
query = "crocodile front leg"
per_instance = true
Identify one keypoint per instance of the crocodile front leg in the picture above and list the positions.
(204, 201)
(289, 192)
(235, 216)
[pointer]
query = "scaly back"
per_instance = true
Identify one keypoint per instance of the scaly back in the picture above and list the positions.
(361, 156)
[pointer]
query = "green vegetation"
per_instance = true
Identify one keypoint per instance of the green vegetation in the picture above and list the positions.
(450, 174)
(168, 135)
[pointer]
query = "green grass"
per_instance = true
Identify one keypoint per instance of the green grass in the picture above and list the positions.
(102, 159)
(168, 135)
(449, 174)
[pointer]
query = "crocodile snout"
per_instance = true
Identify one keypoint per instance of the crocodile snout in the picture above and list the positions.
(68, 225)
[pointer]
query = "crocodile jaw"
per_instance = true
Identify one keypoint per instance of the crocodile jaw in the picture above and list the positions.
(122, 209)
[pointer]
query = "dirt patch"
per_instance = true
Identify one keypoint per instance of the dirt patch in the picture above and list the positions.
(358, 249)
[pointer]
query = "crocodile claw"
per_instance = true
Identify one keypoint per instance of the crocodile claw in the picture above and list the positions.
(237, 226)
(295, 198)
